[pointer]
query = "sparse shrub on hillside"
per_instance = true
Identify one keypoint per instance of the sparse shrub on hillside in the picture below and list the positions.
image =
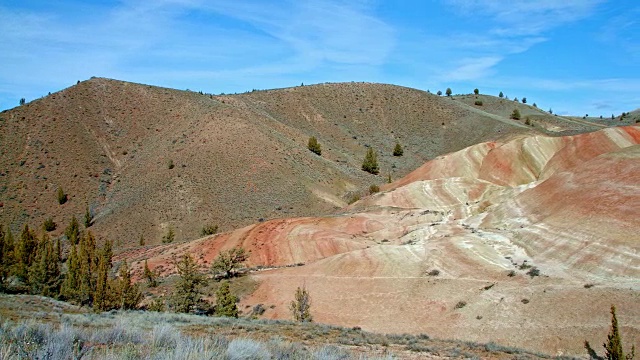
(460, 304)
(169, 236)
(300, 306)
(476, 91)
(448, 92)
(189, 287)
(527, 121)
(478, 102)
(228, 262)
(209, 230)
(533, 272)
(72, 232)
(535, 105)
(353, 198)
(226, 302)
(524, 100)
(515, 99)
(374, 189)
(439, 93)
(370, 163)
(49, 224)
(156, 305)
(149, 276)
(397, 150)
(434, 272)
(170, 165)
(22, 101)
(314, 146)
(88, 218)
(141, 240)
(501, 95)
(550, 111)
(62, 196)
(515, 114)
(389, 180)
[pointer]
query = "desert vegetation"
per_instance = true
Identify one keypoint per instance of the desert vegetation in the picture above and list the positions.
(370, 163)
(314, 146)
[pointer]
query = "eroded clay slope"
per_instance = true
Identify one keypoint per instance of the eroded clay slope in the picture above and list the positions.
(525, 243)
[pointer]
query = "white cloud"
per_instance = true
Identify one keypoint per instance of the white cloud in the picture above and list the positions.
(472, 69)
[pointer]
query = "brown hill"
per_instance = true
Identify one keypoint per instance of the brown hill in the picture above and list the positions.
(236, 158)
(526, 242)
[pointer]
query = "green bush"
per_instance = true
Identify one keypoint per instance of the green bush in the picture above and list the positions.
(62, 197)
(314, 146)
(171, 165)
(169, 236)
(501, 95)
(49, 224)
(439, 93)
(515, 114)
(476, 91)
(209, 230)
(370, 163)
(397, 150)
(448, 92)
(478, 102)
(374, 189)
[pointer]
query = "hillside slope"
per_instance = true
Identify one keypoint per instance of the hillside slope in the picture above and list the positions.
(235, 158)
(533, 238)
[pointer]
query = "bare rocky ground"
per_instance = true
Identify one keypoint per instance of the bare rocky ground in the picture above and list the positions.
(525, 242)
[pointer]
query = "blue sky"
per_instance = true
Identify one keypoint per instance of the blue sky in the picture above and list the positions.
(574, 56)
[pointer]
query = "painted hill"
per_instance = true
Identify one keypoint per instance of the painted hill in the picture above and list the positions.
(525, 241)
(145, 159)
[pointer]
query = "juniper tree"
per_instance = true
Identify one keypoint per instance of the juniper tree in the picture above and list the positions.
(501, 95)
(225, 301)
(44, 273)
(314, 146)
(397, 151)
(87, 265)
(515, 114)
(613, 346)
(370, 163)
(169, 236)
(69, 290)
(7, 257)
(149, 276)
(88, 218)
(189, 288)
(101, 296)
(448, 92)
(476, 91)
(228, 262)
(25, 252)
(128, 294)
(72, 232)
(300, 306)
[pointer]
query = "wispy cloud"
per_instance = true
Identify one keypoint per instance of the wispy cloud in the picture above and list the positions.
(525, 17)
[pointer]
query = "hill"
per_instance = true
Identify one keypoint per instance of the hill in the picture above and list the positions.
(144, 159)
(525, 241)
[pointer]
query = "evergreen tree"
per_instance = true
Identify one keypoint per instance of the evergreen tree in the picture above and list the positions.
(188, 290)
(88, 218)
(69, 290)
(62, 197)
(439, 93)
(141, 241)
(44, 273)
(25, 252)
(501, 95)
(476, 91)
(314, 146)
(397, 151)
(301, 305)
(88, 263)
(515, 114)
(613, 346)
(129, 295)
(7, 258)
(227, 262)
(72, 232)
(370, 163)
(448, 92)
(102, 296)
(170, 236)
(226, 302)
(149, 276)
